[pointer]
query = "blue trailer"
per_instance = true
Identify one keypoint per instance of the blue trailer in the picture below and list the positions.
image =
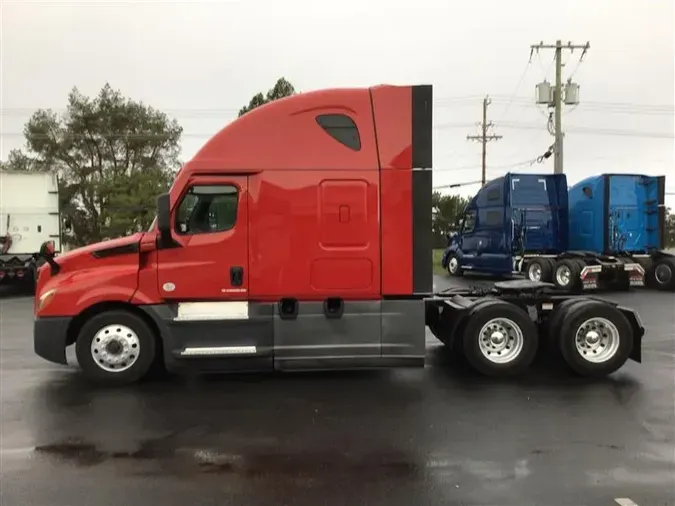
(520, 224)
(624, 215)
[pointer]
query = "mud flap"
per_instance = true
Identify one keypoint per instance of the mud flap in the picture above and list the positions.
(638, 332)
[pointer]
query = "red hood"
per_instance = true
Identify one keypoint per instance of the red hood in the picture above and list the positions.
(97, 246)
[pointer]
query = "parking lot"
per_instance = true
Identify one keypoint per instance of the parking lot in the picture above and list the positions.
(439, 435)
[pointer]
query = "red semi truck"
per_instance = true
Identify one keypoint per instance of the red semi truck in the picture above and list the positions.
(299, 237)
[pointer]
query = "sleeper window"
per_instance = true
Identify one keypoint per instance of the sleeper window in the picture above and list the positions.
(341, 128)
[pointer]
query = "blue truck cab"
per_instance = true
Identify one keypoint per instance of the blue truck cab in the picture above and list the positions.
(520, 224)
(624, 215)
(508, 217)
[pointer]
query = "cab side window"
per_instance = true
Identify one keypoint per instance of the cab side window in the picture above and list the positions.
(469, 222)
(207, 208)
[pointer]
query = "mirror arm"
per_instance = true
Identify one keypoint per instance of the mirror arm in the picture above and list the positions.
(164, 238)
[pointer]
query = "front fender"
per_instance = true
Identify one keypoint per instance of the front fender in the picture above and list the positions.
(452, 249)
(74, 292)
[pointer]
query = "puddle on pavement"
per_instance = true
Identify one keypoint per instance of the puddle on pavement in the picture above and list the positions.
(251, 465)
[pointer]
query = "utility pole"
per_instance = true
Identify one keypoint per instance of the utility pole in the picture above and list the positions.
(554, 98)
(484, 138)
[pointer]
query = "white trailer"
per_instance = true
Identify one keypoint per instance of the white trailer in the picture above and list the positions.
(29, 216)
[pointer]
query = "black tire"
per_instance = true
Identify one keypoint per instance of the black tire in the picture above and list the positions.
(575, 274)
(144, 340)
(550, 330)
(458, 272)
(662, 274)
(576, 315)
(471, 337)
(544, 265)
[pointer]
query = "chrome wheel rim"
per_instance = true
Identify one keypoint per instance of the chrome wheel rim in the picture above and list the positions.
(534, 272)
(597, 340)
(501, 340)
(563, 275)
(115, 348)
(452, 265)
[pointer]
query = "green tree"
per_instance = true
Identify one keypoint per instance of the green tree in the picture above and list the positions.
(281, 89)
(113, 156)
(447, 210)
(670, 228)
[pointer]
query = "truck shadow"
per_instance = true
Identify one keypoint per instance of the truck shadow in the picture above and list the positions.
(548, 371)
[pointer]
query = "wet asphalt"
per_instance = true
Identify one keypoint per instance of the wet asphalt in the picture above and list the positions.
(434, 436)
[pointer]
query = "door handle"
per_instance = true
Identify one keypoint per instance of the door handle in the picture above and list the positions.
(236, 276)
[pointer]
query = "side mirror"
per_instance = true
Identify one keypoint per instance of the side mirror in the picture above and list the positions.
(47, 252)
(164, 218)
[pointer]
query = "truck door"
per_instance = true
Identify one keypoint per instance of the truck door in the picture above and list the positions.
(494, 255)
(205, 280)
(210, 222)
(470, 243)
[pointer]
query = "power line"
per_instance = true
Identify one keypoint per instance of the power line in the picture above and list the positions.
(513, 95)
(515, 125)
(627, 107)
(596, 131)
(456, 185)
(603, 106)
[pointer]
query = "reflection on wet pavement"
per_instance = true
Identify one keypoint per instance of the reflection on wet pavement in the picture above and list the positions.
(439, 435)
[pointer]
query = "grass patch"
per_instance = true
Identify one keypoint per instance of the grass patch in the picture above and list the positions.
(438, 269)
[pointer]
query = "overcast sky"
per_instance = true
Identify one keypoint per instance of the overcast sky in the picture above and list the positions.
(200, 61)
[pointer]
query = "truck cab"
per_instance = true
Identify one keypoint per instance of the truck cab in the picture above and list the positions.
(296, 238)
(624, 216)
(29, 216)
(509, 217)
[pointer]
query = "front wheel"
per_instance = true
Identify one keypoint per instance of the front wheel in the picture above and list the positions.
(115, 347)
(595, 338)
(454, 268)
(500, 340)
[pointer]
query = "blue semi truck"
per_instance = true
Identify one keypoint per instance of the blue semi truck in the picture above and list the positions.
(605, 231)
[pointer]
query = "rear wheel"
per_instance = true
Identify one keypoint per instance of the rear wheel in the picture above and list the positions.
(662, 274)
(551, 328)
(115, 347)
(540, 269)
(499, 339)
(567, 274)
(595, 338)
